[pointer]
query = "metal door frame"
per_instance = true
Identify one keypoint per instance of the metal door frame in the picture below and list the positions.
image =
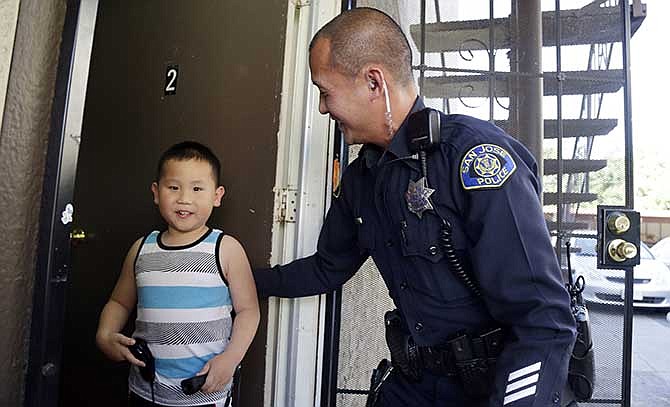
(295, 340)
(331, 349)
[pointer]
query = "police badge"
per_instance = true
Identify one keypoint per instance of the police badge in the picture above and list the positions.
(418, 196)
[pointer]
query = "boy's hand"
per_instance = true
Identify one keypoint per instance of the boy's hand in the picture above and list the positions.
(115, 346)
(220, 370)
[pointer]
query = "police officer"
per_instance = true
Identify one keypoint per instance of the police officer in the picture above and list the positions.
(478, 184)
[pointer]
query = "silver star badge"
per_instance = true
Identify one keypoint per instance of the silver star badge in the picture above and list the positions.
(418, 197)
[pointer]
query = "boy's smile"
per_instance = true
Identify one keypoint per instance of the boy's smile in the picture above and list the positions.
(185, 195)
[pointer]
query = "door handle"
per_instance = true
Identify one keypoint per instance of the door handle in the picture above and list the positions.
(78, 235)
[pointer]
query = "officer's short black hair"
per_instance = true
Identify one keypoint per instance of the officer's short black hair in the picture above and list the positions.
(190, 150)
(366, 35)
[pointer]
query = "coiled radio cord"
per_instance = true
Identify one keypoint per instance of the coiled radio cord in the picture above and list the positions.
(454, 262)
(453, 259)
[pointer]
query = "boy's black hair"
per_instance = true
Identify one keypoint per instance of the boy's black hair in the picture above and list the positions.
(190, 150)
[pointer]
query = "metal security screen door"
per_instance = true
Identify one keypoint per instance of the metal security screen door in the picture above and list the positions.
(555, 75)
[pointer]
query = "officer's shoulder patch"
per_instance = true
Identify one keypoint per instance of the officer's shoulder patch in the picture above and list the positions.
(486, 166)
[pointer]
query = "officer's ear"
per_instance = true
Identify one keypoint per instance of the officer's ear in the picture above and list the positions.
(375, 80)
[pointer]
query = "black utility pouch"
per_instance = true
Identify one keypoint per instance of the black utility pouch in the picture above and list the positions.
(404, 352)
(475, 362)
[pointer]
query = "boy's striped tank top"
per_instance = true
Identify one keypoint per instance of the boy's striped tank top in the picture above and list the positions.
(183, 312)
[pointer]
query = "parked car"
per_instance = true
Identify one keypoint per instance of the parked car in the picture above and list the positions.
(661, 250)
(651, 278)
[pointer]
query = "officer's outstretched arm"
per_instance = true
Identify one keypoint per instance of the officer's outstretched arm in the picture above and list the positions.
(517, 270)
(337, 258)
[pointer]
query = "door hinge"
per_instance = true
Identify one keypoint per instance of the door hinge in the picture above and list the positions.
(286, 205)
(302, 3)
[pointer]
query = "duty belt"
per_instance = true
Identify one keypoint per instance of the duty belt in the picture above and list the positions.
(444, 359)
(459, 356)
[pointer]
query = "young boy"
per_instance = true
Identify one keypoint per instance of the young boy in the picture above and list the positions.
(186, 281)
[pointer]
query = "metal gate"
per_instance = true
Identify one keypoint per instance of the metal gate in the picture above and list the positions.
(554, 74)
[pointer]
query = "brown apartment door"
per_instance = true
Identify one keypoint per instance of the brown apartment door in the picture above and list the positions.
(162, 72)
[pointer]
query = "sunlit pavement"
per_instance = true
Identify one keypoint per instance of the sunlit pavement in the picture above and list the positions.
(651, 356)
(651, 359)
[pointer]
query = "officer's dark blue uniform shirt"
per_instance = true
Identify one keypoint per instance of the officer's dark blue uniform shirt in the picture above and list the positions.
(498, 229)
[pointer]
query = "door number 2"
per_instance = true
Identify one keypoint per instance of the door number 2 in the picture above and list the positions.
(171, 75)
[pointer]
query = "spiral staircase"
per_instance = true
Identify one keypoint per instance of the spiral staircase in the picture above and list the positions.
(598, 25)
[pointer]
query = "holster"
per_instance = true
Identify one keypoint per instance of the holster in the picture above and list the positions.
(581, 371)
(404, 352)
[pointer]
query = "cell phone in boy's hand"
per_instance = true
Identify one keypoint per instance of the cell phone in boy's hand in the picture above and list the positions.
(193, 384)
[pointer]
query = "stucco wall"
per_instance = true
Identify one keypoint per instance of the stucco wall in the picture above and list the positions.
(23, 137)
(8, 14)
